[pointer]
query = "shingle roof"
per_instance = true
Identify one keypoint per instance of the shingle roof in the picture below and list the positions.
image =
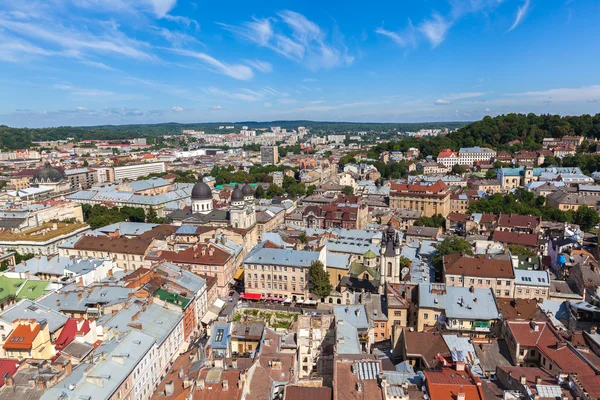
(458, 264)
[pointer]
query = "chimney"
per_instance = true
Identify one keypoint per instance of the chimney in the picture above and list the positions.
(41, 385)
(201, 384)
(225, 384)
(523, 379)
(534, 326)
(169, 388)
(538, 380)
(359, 387)
(9, 381)
(593, 330)
(460, 366)
(357, 312)
(461, 395)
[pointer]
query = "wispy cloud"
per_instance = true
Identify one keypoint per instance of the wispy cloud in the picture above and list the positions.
(407, 38)
(442, 102)
(216, 108)
(162, 7)
(297, 38)
(177, 109)
(521, 13)
(435, 29)
(261, 66)
(236, 71)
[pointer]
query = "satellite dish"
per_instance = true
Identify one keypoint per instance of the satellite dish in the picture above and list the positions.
(404, 271)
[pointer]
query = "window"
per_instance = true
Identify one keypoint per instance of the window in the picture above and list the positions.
(426, 316)
(497, 292)
(507, 293)
(488, 282)
(451, 279)
(471, 280)
(507, 283)
(435, 316)
(397, 313)
(479, 281)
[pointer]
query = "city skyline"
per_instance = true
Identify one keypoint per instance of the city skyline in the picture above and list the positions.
(90, 62)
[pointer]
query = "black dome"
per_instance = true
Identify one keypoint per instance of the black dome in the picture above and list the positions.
(247, 190)
(201, 190)
(48, 174)
(237, 194)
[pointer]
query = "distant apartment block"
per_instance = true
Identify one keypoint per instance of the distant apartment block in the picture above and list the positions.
(269, 155)
(136, 170)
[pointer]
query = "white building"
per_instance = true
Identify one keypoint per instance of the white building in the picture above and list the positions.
(468, 155)
(134, 171)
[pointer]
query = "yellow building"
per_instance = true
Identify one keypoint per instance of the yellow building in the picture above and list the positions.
(245, 337)
(29, 339)
(430, 199)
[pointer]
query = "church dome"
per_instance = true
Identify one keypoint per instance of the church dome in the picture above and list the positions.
(48, 174)
(247, 190)
(237, 194)
(201, 191)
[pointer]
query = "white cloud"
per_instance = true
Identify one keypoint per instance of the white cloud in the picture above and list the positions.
(97, 64)
(216, 108)
(177, 109)
(162, 7)
(407, 38)
(261, 66)
(464, 95)
(244, 94)
(236, 71)
(267, 104)
(563, 95)
(295, 37)
(521, 13)
(73, 42)
(435, 29)
(442, 102)
(309, 80)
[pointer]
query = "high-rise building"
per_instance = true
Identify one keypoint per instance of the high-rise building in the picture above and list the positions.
(269, 155)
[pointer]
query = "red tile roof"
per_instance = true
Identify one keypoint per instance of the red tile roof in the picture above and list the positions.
(546, 340)
(458, 264)
(206, 254)
(70, 330)
(7, 368)
(22, 337)
(524, 239)
(447, 153)
(446, 383)
(438, 188)
(519, 221)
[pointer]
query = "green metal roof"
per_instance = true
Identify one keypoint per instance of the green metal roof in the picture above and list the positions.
(370, 254)
(172, 298)
(9, 286)
(32, 289)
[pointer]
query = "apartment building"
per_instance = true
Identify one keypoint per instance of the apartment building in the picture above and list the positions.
(480, 272)
(429, 199)
(469, 155)
(279, 273)
(448, 158)
(269, 155)
(134, 171)
(82, 178)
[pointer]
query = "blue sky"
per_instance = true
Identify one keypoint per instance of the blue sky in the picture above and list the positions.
(85, 62)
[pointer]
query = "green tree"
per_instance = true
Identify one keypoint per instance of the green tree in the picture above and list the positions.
(518, 250)
(586, 217)
(319, 279)
(348, 190)
(274, 190)
(491, 174)
(458, 169)
(303, 238)
(451, 245)
(259, 193)
(404, 263)
(85, 163)
(436, 221)
(310, 189)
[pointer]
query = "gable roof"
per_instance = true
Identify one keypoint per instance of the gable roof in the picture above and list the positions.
(459, 264)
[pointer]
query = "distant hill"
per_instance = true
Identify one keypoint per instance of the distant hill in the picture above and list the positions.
(16, 138)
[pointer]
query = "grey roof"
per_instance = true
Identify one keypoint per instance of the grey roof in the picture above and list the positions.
(351, 246)
(138, 186)
(201, 190)
(355, 315)
(68, 298)
(131, 349)
(157, 321)
(484, 308)
(347, 339)
(44, 265)
(339, 261)
(223, 338)
(31, 309)
(182, 277)
(127, 228)
(532, 278)
(290, 258)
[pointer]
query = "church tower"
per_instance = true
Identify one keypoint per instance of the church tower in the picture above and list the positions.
(202, 200)
(242, 211)
(390, 256)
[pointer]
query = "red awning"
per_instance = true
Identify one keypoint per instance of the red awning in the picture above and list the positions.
(251, 296)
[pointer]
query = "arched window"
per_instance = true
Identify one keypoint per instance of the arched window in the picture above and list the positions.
(389, 269)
